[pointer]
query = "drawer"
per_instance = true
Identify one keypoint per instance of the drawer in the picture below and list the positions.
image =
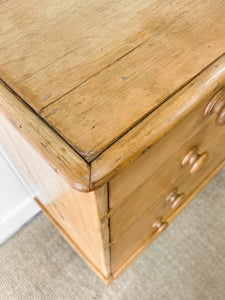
(145, 230)
(159, 154)
(171, 180)
(166, 186)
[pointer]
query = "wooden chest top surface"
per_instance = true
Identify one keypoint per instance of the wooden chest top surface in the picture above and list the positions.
(93, 70)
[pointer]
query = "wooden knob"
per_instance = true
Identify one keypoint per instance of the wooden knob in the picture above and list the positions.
(160, 225)
(195, 160)
(175, 198)
(217, 106)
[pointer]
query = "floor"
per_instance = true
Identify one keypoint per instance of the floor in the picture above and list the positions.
(187, 262)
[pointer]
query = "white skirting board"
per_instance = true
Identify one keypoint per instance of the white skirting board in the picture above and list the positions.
(17, 206)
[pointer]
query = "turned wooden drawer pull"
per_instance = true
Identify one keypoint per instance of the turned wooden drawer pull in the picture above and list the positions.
(195, 160)
(160, 225)
(175, 198)
(217, 106)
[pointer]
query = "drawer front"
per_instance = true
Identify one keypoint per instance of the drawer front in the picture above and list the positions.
(179, 166)
(171, 181)
(139, 171)
(145, 230)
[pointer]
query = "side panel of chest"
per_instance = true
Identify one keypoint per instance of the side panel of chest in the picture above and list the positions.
(76, 214)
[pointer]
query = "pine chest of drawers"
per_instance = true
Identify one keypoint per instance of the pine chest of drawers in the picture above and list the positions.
(113, 111)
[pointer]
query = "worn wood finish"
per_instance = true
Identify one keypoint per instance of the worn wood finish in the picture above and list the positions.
(43, 64)
(124, 101)
(44, 140)
(161, 47)
(155, 156)
(148, 132)
(49, 48)
(77, 214)
(123, 266)
(166, 174)
(142, 229)
(135, 85)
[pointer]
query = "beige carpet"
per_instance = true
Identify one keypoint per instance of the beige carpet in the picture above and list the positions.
(186, 263)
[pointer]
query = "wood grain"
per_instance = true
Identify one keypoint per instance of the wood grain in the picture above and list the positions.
(153, 209)
(148, 132)
(82, 115)
(44, 140)
(108, 98)
(77, 214)
(174, 141)
(135, 85)
(151, 189)
(122, 268)
(46, 53)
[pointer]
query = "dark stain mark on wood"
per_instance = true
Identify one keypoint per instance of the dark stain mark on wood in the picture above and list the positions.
(44, 98)
(12, 122)
(117, 169)
(51, 113)
(43, 145)
(146, 149)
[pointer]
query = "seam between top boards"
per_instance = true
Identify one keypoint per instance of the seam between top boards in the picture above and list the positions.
(116, 60)
(89, 163)
(128, 130)
(89, 78)
(38, 115)
(158, 106)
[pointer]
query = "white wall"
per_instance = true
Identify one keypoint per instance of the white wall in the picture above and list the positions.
(17, 206)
